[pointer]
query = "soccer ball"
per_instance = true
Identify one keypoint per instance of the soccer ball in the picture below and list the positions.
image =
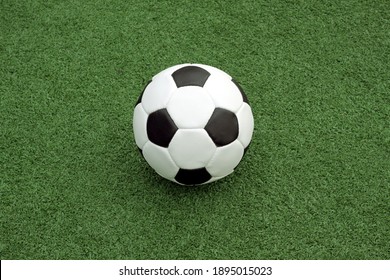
(192, 124)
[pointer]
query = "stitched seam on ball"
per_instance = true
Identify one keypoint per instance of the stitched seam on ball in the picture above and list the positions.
(143, 146)
(174, 163)
(172, 160)
(239, 108)
(241, 143)
(147, 115)
(211, 159)
(171, 93)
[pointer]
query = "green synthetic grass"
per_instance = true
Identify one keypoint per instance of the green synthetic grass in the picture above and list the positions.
(313, 185)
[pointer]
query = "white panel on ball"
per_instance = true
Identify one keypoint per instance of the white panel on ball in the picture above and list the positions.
(245, 124)
(224, 93)
(139, 126)
(225, 159)
(160, 160)
(158, 93)
(191, 148)
(190, 107)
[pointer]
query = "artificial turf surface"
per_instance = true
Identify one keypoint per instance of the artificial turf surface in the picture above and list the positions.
(314, 183)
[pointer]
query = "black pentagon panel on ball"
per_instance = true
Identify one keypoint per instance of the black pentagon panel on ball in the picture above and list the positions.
(222, 127)
(160, 128)
(142, 94)
(190, 76)
(192, 176)
(244, 97)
